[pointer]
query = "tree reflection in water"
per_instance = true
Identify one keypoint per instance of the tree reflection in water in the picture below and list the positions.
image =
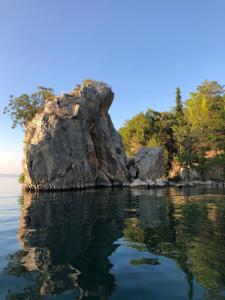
(67, 239)
(190, 229)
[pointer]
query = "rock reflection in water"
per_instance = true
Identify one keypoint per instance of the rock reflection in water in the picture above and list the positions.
(69, 235)
(67, 239)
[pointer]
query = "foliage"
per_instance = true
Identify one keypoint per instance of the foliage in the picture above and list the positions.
(88, 82)
(153, 142)
(165, 138)
(178, 110)
(21, 178)
(206, 115)
(135, 133)
(23, 108)
(151, 129)
(185, 142)
(193, 129)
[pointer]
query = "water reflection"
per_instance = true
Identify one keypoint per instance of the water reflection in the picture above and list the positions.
(67, 240)
(66, 235)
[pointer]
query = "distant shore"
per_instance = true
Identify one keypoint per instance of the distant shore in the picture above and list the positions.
(8, 175)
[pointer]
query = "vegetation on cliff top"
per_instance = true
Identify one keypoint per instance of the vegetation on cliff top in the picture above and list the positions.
(23, 108)
(192, 134)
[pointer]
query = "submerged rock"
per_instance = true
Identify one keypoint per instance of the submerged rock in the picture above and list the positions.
(71, 143)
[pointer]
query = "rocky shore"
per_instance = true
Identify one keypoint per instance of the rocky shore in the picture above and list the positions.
(167, 183)
(71, 143)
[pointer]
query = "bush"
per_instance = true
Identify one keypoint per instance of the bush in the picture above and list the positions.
(21, 178)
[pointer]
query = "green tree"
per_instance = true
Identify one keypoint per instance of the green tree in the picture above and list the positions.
(135, 133)
(165, 137)
(192, 135)
(153, 119)
(186, 142)
(206, 114)
(178, 110)
(23, 108)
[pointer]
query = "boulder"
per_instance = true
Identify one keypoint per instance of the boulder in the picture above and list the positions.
(139, 183)
(160, 182)
(72, 143)
(151, 182)
(150, 163)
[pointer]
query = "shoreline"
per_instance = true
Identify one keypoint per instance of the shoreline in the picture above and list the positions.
(136, 184)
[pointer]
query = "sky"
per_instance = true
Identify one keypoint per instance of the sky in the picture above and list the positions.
(143, 49)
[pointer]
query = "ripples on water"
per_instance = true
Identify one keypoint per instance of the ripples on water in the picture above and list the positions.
(112, 244)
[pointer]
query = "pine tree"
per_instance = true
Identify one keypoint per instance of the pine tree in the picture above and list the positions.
(179, 105)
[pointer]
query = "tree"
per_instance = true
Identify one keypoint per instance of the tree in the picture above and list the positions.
(135, 133)
(206, 115)
(164, 136)
(186, 142)
(211, 89)
(192, 135)
(178, 110)
(153, 119)
(23, 108)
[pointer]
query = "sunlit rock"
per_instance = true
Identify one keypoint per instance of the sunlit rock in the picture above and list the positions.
(71, 143)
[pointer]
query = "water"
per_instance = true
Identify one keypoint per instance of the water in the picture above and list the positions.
(112, 244)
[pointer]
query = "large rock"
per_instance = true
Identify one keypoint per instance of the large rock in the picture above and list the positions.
(139, 183)
(72, 143)
(149, 162)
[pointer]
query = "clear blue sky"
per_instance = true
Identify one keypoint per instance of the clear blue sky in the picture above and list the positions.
(142, 48)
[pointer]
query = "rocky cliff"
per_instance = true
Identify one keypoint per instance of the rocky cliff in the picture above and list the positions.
(71, 142)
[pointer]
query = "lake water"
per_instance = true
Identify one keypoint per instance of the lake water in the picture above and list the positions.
(159, 244)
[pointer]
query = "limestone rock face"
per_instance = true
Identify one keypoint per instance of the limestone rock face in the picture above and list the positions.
(149, 163)
(72, 142)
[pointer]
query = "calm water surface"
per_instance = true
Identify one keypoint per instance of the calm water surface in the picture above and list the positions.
(112, 244)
